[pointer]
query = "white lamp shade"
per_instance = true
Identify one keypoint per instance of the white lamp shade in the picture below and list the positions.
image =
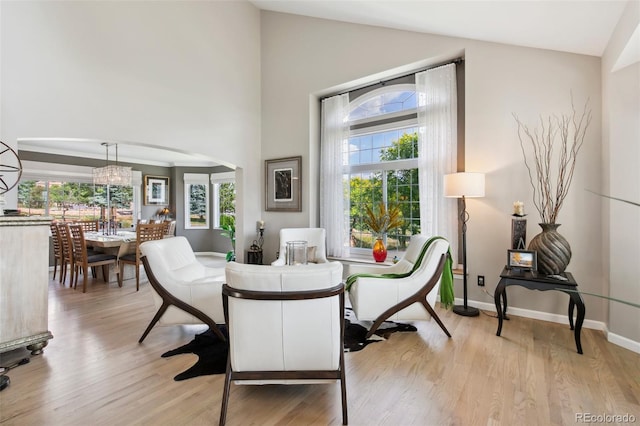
(457, 185)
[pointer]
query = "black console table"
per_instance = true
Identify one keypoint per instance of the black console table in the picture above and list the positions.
(534, 281)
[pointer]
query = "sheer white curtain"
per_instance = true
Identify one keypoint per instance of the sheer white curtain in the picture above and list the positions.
(335, 133)
(437, 147)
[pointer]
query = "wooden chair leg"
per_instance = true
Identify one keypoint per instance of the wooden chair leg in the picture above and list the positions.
(75, 271)
(63, 272)
(155, 319)
(137, 277)
(105, 272)
(225, 393)
(120, 273)
(343, 391)
(435, 317)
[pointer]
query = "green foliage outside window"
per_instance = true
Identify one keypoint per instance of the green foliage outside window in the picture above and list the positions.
(197, 204)
(72, 200)
(366, 191)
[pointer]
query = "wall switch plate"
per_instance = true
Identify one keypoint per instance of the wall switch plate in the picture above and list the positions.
(481, 280)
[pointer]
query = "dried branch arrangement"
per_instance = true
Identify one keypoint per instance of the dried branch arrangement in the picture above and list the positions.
(553, 149)
(385, 219)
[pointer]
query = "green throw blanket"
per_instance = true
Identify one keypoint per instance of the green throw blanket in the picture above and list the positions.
(446, 283)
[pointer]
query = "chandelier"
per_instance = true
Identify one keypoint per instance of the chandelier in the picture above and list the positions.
(112, 174)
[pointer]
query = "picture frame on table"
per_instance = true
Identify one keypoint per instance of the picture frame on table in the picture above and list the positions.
(522, 260)
(283, 184)
(156, 190)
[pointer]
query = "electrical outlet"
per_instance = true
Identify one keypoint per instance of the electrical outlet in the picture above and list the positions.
(481, 280)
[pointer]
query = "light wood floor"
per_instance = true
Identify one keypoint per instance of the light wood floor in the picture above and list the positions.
(93, 372)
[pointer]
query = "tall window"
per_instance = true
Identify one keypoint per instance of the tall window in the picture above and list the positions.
(381, 162)
(389, 144)
(196, 201)
(224, 199)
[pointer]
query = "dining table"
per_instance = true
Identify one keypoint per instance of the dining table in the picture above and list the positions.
(120, 243)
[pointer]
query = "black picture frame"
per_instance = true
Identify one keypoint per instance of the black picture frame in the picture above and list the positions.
(283, 184)
(156, 190)
(518, 233)
(523, 260)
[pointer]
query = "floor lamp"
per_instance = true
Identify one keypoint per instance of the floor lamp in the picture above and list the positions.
(464, 185)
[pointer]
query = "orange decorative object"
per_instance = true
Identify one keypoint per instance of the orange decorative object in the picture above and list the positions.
(379, 251)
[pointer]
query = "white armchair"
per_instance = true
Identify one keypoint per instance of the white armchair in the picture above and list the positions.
(184, 290)
(286, 326)
(316, 244)
(402, 295)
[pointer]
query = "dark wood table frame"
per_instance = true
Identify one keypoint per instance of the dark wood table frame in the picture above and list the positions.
(542, 283)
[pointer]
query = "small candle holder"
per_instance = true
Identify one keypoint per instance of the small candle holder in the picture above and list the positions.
(260, 226)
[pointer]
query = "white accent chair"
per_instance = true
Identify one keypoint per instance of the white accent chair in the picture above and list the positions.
(316, 244)
(286, 326)
(401, 299)
(184, 290)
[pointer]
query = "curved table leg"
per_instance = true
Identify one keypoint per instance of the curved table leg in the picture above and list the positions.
(500, 292)
(571, 305)
(576, 298)
(504, 304)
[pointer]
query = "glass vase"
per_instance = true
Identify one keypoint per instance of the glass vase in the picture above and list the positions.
(379, 250)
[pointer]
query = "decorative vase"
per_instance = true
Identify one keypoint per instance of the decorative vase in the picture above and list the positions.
(379, 251)
(553, 250)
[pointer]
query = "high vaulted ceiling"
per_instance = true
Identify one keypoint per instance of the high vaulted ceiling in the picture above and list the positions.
(575, 26)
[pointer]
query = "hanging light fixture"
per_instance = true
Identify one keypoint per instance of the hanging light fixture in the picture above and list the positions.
(112, 174)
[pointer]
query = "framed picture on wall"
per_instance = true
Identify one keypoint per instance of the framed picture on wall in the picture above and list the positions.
(282, 184)
(156, 190)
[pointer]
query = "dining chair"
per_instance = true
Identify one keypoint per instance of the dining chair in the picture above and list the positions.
(88, 225)
(144, 232)
(57, 249)
(171, 228)
(82, 261)
(66, 252)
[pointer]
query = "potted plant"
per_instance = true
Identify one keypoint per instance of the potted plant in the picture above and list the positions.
(229, 231)
(380, 222)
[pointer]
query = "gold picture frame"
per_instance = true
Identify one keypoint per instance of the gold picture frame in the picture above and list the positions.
(156, 190)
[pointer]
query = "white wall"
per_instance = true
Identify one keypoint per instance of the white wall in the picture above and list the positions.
(219, 77)
(303, 57)
(184, 75)
(621, 148)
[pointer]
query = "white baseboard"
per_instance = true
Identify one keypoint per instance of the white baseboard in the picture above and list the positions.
(560, 319)
(623, 342)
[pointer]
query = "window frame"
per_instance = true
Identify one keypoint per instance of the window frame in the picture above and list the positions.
(377, 124)
(192, 179)
(218, 179)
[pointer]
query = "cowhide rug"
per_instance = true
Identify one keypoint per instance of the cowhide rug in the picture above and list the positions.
(212, 352)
